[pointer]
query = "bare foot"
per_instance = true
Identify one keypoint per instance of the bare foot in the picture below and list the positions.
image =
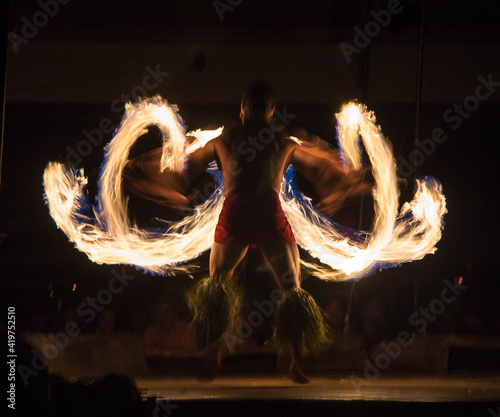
(296, 374)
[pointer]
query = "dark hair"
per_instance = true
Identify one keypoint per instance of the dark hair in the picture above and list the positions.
(258, 99)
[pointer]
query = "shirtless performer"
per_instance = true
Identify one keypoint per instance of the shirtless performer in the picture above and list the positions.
(253, 158)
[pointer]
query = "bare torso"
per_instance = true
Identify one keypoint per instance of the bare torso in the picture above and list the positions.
(253, 158)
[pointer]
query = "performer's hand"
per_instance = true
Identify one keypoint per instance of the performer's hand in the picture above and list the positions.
(331, 204)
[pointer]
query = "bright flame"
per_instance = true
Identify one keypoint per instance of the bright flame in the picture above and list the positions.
(394, 239)
(106, 235)
(104, 232)
(202, 137)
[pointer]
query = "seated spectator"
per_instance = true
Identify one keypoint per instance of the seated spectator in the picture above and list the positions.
(168, 330)
(137, 320)
(373, 323)
(43, 320)
(180, 335)
(334, 313)
(68, 316)
(107, 322)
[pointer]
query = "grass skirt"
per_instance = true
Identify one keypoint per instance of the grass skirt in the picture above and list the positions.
(300, 328)
(216, 304)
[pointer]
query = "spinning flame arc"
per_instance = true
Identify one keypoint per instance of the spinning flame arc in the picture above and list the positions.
(105, 233)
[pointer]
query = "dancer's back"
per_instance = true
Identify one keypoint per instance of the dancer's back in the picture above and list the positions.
(253, 158)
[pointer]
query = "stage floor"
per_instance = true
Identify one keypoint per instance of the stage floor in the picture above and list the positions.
(450, 387)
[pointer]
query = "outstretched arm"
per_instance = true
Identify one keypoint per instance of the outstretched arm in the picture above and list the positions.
(319, 163)
(198, 161)
(312, 144)
(142, 177)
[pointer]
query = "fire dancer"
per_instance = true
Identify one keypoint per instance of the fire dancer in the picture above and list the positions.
(252, 158)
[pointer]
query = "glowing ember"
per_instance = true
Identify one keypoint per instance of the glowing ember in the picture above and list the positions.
(106, 235)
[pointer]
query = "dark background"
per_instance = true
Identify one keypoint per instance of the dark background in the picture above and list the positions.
(67, 77)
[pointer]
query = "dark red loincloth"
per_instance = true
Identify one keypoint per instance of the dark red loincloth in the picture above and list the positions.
(250, 218)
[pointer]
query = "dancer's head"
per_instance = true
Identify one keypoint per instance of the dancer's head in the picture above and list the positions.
(257, 103)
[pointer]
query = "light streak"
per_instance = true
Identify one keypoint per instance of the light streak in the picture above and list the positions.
(395, 237)
(105, 233)
(201, 138)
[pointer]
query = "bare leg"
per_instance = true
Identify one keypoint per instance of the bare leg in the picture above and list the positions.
(283, 260)
(223, 258)
(226, 257)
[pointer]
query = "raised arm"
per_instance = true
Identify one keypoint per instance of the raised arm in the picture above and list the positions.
(198, 161)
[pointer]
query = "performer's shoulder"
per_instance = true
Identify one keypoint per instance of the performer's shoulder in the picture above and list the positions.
(231, 131)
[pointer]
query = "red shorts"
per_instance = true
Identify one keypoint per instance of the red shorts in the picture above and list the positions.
(251, 220)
